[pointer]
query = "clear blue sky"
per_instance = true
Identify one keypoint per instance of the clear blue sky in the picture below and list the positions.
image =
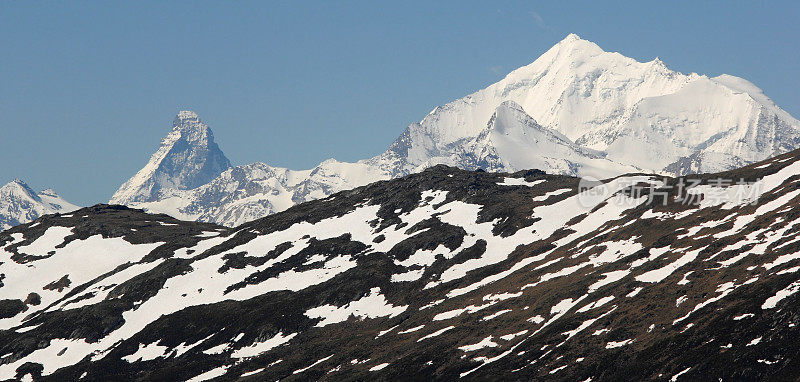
(87, 89)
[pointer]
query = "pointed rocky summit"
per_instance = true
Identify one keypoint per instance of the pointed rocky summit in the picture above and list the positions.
(187, 158)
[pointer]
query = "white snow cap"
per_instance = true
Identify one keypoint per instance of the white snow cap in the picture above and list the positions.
(187, 114)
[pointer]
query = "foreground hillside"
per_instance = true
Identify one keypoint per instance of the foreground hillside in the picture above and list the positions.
(445, 274)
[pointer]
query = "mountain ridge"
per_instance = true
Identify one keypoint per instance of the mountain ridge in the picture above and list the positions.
(618, 116)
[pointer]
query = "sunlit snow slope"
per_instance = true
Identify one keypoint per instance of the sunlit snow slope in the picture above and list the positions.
(20, 204)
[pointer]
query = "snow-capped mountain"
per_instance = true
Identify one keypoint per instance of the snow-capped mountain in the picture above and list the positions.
(20, 204)
(576, 110)
(640, 114)
(440, 275)
(513, 141)
(187, 158)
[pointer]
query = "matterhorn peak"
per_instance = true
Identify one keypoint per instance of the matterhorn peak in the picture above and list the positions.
(188, 158)
(187, 118)
(186, 115)
(188, 124)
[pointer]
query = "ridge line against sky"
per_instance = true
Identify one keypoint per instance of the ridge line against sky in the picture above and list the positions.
(89, 89)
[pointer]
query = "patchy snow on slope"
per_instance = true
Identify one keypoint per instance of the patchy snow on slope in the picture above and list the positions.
(519, 182)
(147, 352)
(484, 343)
(617, 344)
(261, 347)
(773, 301)
(371, 306)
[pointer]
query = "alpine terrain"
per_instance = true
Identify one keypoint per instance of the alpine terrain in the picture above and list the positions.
(576, 110)
(20, 204)
(444, 274)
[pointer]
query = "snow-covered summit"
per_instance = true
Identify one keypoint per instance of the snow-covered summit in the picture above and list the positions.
(19, 204)
(186, 115)
(576, 110)
(511, 136)
(187, 158)
(17, 188)
(639, 113)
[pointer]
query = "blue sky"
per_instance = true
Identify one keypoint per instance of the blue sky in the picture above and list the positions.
(87, 89)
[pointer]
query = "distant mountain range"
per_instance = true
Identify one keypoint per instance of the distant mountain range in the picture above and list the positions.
(576, 110)
(444, 274)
